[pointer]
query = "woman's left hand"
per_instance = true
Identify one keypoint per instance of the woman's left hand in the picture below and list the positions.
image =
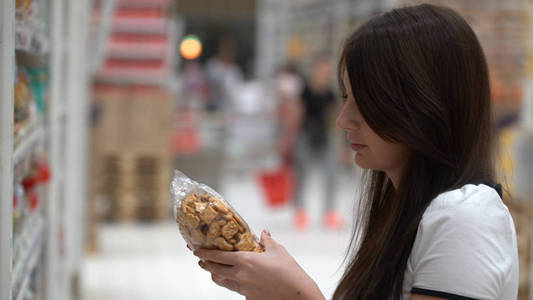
(273, 274)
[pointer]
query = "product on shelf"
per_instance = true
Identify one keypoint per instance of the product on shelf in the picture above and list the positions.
(23, 5)
(18, 197)
(26, 196)
(23, 100)
(32, 27)
(31, 86)
(30, 13)
(205, 220)
(38, 174)
(39, 80)
(35, 284)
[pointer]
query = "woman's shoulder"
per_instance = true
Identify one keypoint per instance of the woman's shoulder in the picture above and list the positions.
(470, 209)
(468, 201)
(467, 233)
(470, 215)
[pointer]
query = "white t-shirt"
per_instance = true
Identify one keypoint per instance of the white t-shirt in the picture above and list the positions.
(465, 248)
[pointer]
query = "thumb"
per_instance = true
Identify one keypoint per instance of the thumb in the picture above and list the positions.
(266, 240)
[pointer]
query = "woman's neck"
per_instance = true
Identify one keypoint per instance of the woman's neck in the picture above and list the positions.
(395, 175)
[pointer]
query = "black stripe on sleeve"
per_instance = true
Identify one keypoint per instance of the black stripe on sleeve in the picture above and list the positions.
(444, 295)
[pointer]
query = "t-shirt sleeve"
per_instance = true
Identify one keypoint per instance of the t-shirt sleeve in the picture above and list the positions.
(465, 251)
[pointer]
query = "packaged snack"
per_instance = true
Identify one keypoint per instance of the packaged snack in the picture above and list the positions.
(206, 220)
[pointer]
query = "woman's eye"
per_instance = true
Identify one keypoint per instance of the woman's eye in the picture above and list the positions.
(344, 98)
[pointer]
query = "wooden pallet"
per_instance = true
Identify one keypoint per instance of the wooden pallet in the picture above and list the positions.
(131, 157)
(133, 186)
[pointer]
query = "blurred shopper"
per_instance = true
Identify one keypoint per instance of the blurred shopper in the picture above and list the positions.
(223, 74)
(277, 179)
(289, 85)
(431, 226)
(315, 142)
(194, 85)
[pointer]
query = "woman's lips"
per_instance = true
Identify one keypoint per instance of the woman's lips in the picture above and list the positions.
(358, 147)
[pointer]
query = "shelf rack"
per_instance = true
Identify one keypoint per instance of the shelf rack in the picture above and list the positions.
(51, 238)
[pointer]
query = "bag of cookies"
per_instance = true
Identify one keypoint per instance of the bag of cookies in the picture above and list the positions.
(206, 220)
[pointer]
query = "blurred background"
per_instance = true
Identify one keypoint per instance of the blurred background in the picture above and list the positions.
(110, 96)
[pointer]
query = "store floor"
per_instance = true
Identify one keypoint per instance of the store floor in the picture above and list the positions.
(151, 261)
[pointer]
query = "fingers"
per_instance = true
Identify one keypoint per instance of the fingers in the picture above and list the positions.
(227, 283)
(221, 257)
(218, 277)
(266, 239)
(218, 269)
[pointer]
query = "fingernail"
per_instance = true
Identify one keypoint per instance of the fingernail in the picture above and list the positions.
(201, 263)
(189, 247)
(267, 232)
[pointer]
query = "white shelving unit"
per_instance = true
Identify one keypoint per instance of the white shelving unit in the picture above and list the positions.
(7, 57)
(53, 239)
(156, 37)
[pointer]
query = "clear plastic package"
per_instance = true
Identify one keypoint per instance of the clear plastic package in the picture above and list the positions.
(206, 220)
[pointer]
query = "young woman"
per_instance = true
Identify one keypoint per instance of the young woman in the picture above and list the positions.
(417, 112)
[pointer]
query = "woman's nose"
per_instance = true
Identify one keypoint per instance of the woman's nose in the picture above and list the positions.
(341, 119)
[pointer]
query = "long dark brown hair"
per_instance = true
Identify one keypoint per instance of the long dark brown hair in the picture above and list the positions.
(419, 77)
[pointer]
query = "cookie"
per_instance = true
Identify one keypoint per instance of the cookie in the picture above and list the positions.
(240, 222)
(197, 235)
(245, 242)
(219, 206)
(222, 244)
(215, 229)
(208, 214)
(191, 221)
(189, 200)
(205, 221)
(199, 206)
(184, 231)
(230, 229)
(187, 209)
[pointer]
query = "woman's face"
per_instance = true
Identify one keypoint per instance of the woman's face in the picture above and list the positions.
(372, 151)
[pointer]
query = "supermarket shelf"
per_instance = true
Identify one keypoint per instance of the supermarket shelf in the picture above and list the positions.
(63, 112)
(30, 247)
(49, 34)
(138, 3)
(137, 50)
(31, 41)
(140, 25)
(157, 81)
(25, 142)
(136, 55)
(22, 168)
(31, 227)
(144, 3)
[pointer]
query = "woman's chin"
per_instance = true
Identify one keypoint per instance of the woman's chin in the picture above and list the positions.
(361, 162)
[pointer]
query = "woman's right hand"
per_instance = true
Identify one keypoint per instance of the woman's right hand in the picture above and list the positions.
(273, 274)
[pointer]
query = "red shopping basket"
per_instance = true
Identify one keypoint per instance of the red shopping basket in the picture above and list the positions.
(185, 138)
(278, 186)
(185, 141)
